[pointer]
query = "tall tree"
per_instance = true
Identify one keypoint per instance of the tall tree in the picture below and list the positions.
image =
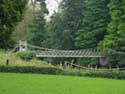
(55, 32)
(38, 29)
(72, 14)
(11, 12)
(115, 40)
(116, 30)
(94, 24)
(65, 24)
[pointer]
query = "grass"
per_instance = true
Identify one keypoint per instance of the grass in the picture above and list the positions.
(49, 84)
(16, 61)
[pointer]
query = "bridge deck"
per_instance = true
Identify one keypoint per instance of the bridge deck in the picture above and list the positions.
(68, 54)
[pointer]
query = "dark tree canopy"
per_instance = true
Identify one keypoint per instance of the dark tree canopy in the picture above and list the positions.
(37, 29)
(11, 12)
(94, 24)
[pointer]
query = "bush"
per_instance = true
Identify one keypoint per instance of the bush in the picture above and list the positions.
(113, 74)
(116, 58)
(27, 55)
(42, 70)
(107, 74)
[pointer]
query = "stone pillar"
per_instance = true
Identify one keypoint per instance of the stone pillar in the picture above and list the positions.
(103, 61)
(22, 45)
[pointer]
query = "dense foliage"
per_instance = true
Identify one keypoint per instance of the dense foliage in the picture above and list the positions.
(94, 24)
(11, 12)
(114, 42)
(38, 30)
(26, 55)
(65, 24)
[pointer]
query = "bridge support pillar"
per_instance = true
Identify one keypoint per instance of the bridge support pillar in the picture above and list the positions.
(103, 61)
(22, 45)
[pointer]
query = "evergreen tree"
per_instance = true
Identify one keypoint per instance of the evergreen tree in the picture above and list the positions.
(72, 14)
(116, 30)
(11, 12)
(65, 24)
(38, 29)
(55, 31)
(94, 24)
(114, 43)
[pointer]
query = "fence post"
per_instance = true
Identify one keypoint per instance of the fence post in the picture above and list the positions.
(7, 62)
(72, 63)
(50, 63)
(110, 67)
(96, 67)
(117, 68)
(89, 67)
(65, 64)
(60, 65)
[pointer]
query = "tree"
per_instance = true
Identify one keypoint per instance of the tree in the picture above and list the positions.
(72, 14)
(65, 24)
(11, 12)
(115, 40)
(38, 30)
(116, 31)
(93, 28)
(55, 31)
(94, 24)
(21, 31)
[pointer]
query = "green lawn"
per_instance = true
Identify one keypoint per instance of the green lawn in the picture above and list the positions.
(48, 84)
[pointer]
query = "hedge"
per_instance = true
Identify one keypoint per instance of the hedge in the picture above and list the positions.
(58, 71)
(98, 73)
(42, 70)
(107, 74)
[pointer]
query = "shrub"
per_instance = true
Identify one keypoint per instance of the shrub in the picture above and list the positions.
(116, 58)
(39, 70)
(113, 74)
(107, 74)
(27, 55)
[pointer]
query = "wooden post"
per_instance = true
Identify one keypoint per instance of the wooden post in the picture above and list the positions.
(96, 67)
(89, 67)
(117, 68)
(7, 62)
(50, 63)
(65, 64)
(110, 67)
(60, 65)
(72, 63)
